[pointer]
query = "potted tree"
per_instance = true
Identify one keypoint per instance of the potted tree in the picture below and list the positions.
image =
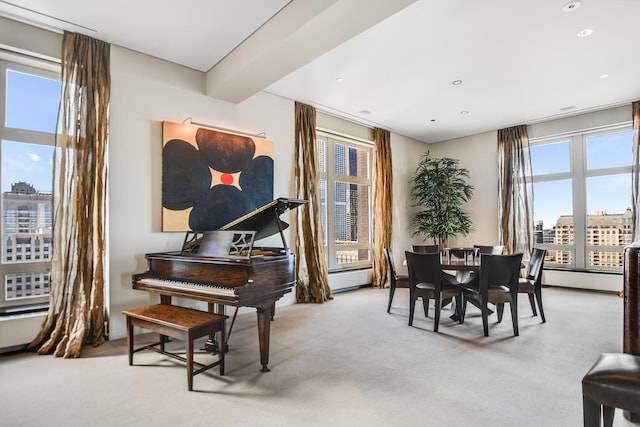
(439, 187)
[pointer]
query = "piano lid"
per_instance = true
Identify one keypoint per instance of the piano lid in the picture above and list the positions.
(265, 221)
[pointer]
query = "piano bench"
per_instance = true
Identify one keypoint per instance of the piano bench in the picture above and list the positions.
(181, 323)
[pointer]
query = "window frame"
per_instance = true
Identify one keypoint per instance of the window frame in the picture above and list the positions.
(326, 172)
(578, 174)
(36, 269)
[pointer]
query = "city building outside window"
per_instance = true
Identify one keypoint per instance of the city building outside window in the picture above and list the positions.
(344, 165)
(31, 98)
(582, 198)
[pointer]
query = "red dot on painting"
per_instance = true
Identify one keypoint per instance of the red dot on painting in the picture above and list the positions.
(226, 178)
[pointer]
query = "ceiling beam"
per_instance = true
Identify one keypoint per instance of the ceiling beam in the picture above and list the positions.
(300, 32)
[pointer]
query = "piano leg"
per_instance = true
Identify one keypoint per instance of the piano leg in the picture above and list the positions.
(264, 330)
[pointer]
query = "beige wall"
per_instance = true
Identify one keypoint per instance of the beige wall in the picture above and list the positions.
(478, 154)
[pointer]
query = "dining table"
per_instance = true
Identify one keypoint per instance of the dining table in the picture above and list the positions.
(464, 261)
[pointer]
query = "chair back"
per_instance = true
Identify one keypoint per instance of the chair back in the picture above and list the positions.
(536, 264)
(424, 268)
(392, 267)
(494, 250)
(425, 249)
(500, 270)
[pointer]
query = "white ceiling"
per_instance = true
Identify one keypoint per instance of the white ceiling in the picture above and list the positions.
(520, 61)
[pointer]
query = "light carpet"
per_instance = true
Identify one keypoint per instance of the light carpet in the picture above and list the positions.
(343, 363)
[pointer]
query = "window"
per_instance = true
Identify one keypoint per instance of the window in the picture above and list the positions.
(27, 135)
(582, 199)
(345, 196)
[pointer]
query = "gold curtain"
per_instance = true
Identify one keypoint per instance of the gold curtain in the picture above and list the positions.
(515, 211)
(311, 266)
(635, 171)
(78, 267)
(382, 207)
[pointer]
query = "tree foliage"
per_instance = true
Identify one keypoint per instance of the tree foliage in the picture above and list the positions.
(440, 188)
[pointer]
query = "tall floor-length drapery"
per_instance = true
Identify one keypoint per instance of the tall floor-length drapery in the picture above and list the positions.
(77, 310)
(311, 266)
(635, 171)
(515, 211)
(382, 206)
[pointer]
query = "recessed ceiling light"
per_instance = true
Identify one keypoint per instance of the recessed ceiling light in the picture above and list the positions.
(433, 120)
(571, 6)
(339, 79)
(604, 76)
(456, 82)
(585, 33)
(464, 112)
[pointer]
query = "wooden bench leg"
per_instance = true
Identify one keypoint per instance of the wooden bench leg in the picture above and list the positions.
(130, 339)
(190, 361)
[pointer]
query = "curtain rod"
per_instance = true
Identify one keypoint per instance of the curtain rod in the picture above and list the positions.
(262, 135)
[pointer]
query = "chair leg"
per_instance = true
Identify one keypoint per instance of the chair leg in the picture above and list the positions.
(485, 318)
(514, 317)
(500, 311)
(607, 415)
(590, 412)
(412, 307)
(392, 290)
(425, 306)
(539, 299)
(436, 317)
(533, 304)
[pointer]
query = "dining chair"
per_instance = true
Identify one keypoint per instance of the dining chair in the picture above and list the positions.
(426, 281)
(497, 284)
(395, 279)
(425, 249)
(532, 283)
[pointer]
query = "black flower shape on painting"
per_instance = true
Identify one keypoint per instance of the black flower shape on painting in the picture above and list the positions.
(244, 181)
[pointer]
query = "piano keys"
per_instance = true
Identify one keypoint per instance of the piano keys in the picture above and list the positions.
(222, 268)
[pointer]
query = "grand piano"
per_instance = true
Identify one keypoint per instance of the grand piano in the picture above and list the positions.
(223, 268)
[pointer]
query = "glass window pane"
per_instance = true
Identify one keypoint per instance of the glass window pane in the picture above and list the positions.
(610, 194)
(321, 146)
(32, 102)
(552, 206)
(609, 219)
(612, 150)
(351, 214)
(323, 209)
(553, 219)
(604, 259)
(26, 285)
(351, 161)
(550, 158)
(26, 202)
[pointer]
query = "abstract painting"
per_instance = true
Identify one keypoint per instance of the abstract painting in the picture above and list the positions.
(210, 177)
